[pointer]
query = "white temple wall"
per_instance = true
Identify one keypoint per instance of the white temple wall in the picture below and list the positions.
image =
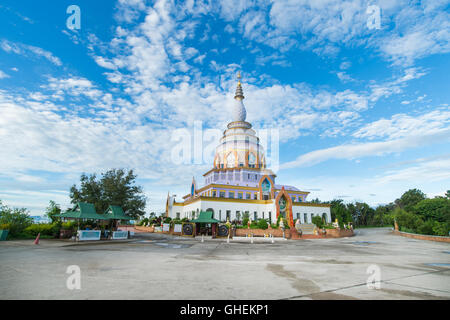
(220, 210)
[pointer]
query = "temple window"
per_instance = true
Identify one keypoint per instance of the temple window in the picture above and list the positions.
(255, 215)
(248, 195)
(240, 195)
(214, 193)
(222, 194)
(230, 194)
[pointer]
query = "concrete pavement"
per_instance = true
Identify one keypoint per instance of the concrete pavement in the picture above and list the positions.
(156, 266)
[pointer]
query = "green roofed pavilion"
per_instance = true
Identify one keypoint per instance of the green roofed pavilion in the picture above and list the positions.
(83, 210)
(116, 213)
(205, 217)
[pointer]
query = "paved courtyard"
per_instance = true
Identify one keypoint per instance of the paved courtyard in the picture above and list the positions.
(155, 266)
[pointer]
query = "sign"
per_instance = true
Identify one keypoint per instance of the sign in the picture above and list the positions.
(166, 227)
(177, 228)
(158, 229)
(120, 235)
(84, 235)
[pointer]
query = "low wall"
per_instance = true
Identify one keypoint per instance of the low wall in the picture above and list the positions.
(152, 229)
(339, 233)
(293, 234)
(278, 233)
(144, 229)
(260, 232)
(422, 236)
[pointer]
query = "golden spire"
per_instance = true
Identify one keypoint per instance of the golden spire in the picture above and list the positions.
(239, 93)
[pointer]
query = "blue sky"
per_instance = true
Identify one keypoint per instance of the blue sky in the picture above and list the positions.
(363, 113)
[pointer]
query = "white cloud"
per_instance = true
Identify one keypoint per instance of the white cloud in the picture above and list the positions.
(401, 133)
(29, 51)
(3, 75)
(429, 171)
(402, 125)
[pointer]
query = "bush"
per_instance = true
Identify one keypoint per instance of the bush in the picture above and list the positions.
(5, 226)
(262, 224)
(69, 225)
(167, 220)
(425, 227)
(143, 222)
(441, 228)
(43, 229)
(318, 221)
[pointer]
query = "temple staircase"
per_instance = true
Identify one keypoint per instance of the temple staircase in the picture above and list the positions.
(307, 228)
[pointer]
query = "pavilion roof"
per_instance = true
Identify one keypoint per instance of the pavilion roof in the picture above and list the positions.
(83, 210)
(116, 213)
(205, 217)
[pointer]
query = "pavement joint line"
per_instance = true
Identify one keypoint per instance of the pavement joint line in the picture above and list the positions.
(405, 285)
(359, 285)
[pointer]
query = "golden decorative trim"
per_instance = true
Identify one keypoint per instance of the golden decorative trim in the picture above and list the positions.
(309, 204)
(292, 191)
(238, 168)
(224, 200)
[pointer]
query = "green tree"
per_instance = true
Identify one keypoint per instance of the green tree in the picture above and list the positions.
(362, 214)
(436, 209)
(410, 198)
(383, 215)
(53, 211)
(407, 220)
(115, 187)
(14, 219)
(340, 211)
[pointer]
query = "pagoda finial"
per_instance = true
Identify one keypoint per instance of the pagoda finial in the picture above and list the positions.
(239, 93)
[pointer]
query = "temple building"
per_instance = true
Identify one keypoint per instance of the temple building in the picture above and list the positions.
(239, 182)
